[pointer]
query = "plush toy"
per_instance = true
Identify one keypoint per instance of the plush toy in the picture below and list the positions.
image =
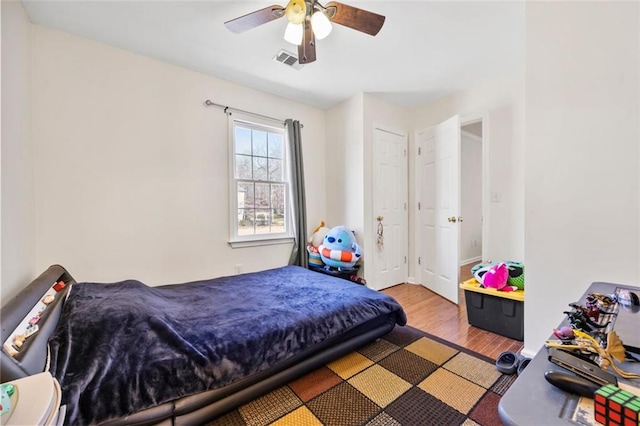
(314, 242)
(497, 277)
(318, 235)
(516, 272)
(340, 248)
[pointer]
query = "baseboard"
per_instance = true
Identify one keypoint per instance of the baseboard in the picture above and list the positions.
(528, 353)
(471, 260)
(411, 280)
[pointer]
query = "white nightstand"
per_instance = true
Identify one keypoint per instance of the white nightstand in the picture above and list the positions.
(35, 401)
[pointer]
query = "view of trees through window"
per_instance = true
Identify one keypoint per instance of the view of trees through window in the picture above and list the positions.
(260, 181)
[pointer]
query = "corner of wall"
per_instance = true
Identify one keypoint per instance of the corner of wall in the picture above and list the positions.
(17, 225)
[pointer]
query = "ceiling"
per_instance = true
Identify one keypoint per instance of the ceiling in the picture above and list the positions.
(424, 51)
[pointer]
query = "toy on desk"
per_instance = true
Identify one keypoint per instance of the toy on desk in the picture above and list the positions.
(339, 248)
(564, 333)
(614, 406)
(608, 354)
(582, 322)
(602, 300)
(590, 311)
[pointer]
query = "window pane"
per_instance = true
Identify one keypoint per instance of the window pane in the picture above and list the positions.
(275, 145)
(243, 140)
(260, 168)
(259, 143)
(245, 195)
(263, 221)
(263, 200)
(275, 170)
(278, 221)
(245, 226)
(243, 167)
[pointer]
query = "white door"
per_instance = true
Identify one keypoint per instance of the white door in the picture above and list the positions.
(438, 207)
(390, 216)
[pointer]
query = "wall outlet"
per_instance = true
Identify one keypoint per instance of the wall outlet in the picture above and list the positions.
(238, 268)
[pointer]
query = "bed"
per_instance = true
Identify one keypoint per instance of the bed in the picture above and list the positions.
(128, 353)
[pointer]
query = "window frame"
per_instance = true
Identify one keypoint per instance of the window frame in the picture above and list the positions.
(236, 119)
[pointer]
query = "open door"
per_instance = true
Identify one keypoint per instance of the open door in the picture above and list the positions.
(438, 207)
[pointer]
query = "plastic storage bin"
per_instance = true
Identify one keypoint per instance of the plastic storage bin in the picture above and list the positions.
(496, 311)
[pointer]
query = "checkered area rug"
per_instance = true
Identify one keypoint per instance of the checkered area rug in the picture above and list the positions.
(407, 377)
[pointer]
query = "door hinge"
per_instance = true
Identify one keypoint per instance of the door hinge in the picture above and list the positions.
(418, 205)
(405, 206)
(418, 260)
(405, 260)
(405, 152)
(419, 150)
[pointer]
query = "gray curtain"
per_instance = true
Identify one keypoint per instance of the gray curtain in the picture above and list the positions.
(298, 198)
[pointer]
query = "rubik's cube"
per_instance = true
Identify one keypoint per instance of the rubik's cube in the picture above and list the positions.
(616, 407)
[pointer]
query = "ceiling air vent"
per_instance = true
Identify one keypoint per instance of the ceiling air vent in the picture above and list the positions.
(287, 58)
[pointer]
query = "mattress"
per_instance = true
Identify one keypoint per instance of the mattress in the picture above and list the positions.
(123, 348)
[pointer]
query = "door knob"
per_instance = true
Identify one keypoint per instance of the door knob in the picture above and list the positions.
(452, 219)
(459, 218)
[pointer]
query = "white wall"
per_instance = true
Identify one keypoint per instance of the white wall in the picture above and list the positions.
(345, 165)
(350, 126)
(382, 115)
(582, 187)
(17, 243)
(131, 169)
(503, 103)
(470, 198)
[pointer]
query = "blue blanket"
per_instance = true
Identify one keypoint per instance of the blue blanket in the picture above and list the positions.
(123, 347)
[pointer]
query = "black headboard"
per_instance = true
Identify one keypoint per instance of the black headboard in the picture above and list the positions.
(32, 358)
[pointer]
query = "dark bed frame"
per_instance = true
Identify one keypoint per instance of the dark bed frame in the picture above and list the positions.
(189, 410)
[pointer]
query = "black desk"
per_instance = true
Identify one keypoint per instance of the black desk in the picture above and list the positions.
(531, 400)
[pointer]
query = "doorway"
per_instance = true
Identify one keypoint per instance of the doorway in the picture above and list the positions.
(471, 173)
(451, 201)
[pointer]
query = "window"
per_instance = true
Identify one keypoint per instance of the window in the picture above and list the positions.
(259, 182)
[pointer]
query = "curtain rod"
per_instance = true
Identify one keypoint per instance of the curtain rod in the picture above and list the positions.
(227, 108)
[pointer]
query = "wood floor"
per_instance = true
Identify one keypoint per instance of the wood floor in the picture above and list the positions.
(436, 315)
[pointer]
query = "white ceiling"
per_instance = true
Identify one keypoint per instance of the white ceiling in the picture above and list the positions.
(424, 51)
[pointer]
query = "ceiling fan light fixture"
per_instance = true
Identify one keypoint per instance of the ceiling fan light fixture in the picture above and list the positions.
(293, 33)
(296, 11)
(320, 24)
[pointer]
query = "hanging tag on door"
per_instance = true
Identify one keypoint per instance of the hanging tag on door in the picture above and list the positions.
(380, 236)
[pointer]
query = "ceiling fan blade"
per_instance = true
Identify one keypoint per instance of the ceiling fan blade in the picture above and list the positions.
(307, 49)
(254, 19)
(352, 17)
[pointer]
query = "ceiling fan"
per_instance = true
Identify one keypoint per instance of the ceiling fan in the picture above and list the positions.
(309, 20)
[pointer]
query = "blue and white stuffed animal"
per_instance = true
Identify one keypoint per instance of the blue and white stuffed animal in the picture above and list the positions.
(339, 248)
